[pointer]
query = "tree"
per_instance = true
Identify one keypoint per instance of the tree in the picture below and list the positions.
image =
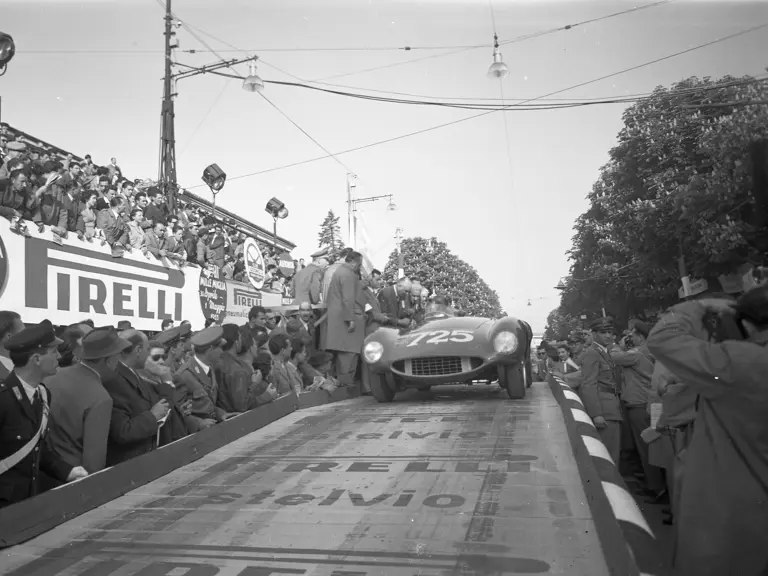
(677, 182)
(560, 325)
(445, 274)
(330, 235)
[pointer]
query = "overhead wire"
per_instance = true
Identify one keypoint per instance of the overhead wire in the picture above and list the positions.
(503, 43)
(487, 112)
(191, 29)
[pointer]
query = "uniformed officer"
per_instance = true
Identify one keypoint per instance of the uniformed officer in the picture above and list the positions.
(24, 403)
(173, 340)
(598, 390)
(198, 377)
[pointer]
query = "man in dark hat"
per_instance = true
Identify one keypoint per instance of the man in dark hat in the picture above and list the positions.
(599, 391)
(24, 402)
(198, 377)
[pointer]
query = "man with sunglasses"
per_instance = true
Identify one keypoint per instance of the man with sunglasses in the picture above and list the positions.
(599, 390)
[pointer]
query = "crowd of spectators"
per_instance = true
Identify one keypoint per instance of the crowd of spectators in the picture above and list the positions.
(687, 397)
(99, 204)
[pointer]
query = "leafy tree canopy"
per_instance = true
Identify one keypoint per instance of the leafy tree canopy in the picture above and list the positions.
(445, 274)
(330, 235)
(559, 325)
(677, 181)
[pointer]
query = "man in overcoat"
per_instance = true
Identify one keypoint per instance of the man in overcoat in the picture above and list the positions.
(599, 391)
(307, 283)
(345, 327)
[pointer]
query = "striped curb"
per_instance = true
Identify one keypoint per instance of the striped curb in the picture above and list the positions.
(612, 502)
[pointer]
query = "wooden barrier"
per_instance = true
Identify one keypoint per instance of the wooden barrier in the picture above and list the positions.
(30, 518)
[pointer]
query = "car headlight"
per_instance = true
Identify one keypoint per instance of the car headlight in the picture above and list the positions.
(373, 352)
(505, 342)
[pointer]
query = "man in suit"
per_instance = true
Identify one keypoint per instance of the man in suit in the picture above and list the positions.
(599, 391)
(345, 327)
(136, 414)
(24, 416)
(395, 302)
(198, 378)
(81, 408)
(374, 316)
(10, 324)
(307, 283)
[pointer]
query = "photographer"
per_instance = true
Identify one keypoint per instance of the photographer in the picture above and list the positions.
(723, 514)
(636, 364)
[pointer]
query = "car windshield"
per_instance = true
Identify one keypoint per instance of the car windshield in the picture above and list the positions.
(436, 310)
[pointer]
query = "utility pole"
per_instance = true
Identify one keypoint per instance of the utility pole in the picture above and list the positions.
(351, 185)
(167, 174)
(400, 259)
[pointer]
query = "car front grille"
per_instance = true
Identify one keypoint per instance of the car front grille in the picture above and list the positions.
(436, 366)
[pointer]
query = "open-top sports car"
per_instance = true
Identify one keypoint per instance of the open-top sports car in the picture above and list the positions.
(446, 349)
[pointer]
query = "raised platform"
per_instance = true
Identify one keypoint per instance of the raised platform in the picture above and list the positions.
(25, 520)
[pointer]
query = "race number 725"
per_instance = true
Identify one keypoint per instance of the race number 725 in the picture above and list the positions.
(442, 336)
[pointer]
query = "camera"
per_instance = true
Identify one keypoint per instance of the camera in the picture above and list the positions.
(628, 342)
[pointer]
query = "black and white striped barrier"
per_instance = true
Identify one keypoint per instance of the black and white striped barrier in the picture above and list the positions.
(628, 542)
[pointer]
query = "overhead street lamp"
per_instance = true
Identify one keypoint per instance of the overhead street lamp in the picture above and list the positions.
(498, 69)
(252, 83)
(214, 177)
(277, 210)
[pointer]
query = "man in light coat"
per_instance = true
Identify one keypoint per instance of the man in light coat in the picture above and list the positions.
(345, 327)
(307, 284)
(723, 517)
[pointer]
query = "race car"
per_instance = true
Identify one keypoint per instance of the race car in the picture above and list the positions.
(446, 349)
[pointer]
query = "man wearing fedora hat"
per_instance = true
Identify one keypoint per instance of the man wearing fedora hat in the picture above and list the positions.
(599, 390)
(81, 408)
(24, 416)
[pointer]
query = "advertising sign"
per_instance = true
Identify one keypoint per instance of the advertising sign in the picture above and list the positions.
(285, 263)
(242, 297)
(69, 282)
(255, 269)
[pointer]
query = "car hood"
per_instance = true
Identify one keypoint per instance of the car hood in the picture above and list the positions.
(443, 337)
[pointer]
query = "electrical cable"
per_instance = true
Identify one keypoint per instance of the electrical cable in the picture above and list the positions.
(503, 43)
(475, 116)
(205, 117)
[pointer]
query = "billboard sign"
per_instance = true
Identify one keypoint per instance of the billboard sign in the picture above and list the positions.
(69, 282)
(255, 269)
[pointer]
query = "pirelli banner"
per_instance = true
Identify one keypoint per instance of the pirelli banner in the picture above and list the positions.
(69, 282)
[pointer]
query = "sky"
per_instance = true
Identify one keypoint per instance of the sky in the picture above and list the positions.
(87, 77)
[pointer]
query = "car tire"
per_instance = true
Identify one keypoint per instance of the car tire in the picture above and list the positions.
(513, 380)
(380, 389)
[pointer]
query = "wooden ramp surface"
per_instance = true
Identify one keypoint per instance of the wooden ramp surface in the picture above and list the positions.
(459, 481)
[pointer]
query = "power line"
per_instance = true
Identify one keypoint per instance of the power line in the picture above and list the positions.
(474, 116)
(503, 43)
(407, 48)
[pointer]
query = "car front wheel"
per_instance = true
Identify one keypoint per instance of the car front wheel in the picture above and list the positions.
(513, 380)
(380, 389)
(528, 373)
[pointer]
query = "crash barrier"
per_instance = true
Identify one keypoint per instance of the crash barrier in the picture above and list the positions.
(30, 518)
(628, 542)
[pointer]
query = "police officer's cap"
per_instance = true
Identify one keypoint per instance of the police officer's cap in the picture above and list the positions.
(207, 337)
(169, 337)
(320, 253)
(602, 325)
(33, 338)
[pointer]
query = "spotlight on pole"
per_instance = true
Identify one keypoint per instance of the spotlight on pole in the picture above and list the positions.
(276, 209)
(214, 177)
(7, 50)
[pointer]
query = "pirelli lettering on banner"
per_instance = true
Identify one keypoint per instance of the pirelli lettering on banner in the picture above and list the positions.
(246, 298)
(71, 279)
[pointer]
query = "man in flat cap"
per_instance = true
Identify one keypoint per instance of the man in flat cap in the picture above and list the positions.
(198, 377)
(174, 340)
(599, 391)
(24, 402)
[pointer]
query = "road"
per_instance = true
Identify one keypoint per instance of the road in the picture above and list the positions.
(459, 481)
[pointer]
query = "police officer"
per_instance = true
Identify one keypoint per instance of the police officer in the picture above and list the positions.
(174, 340)
(24, 415)
(598, 390)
